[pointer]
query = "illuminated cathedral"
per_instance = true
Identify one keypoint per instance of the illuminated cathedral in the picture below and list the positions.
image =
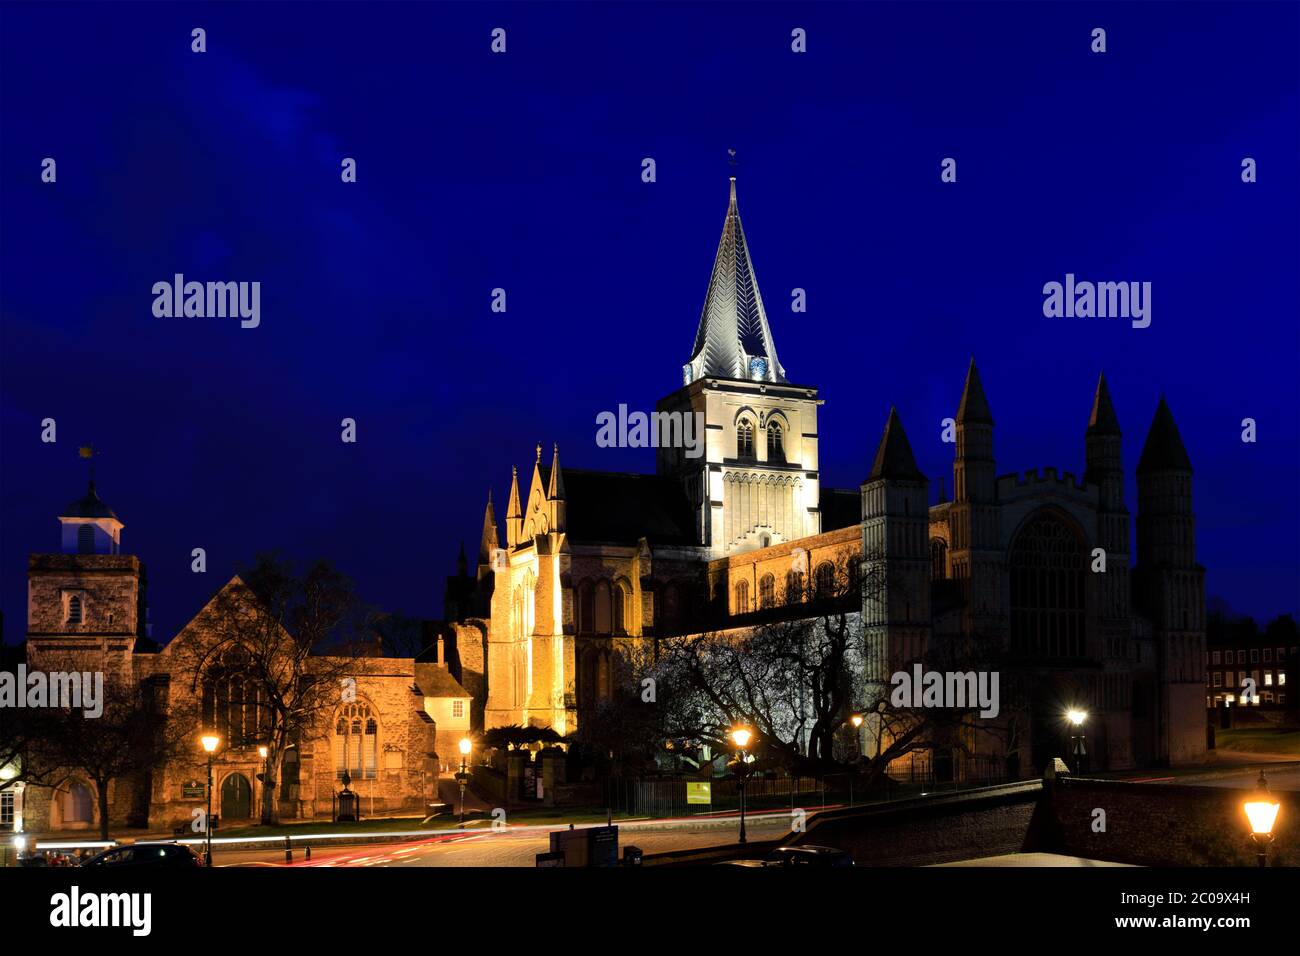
(589, 560)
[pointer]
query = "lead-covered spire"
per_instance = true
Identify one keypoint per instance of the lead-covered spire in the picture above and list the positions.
(733, 339)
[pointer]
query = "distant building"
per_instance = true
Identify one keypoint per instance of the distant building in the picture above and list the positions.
(592, 560)
(1249, 669)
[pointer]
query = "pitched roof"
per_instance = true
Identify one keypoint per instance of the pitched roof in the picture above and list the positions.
(621, 508)
(436, 681)
(974, 406)
(91, 506)
(1102, 421)
(733, 330)
(894, 457)
(1164, 449)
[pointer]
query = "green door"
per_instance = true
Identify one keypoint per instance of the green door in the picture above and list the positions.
(236, 798)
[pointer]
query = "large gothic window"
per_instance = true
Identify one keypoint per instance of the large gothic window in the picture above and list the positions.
(938, 559)
(775, 445)
(234, 705)
(742, 597)
(356, 742)
(766, 591)
(824, 581)
(1047, 581)
(745, 440)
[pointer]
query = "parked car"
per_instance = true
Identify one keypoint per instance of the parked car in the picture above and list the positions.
(147, 854)
(802, 855)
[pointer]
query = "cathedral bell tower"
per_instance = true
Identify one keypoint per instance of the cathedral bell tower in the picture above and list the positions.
(740, 437)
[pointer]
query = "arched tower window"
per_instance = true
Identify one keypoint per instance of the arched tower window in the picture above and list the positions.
(356, 742)
(742, 597)
(86, 539)
(745, 439)
(775, 445)
(586, 608)
(766, 591)
(1047, 589)
(938, 559)
(74, 609)
(620, 609)
(604, 613)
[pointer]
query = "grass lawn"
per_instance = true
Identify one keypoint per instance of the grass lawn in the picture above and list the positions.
(1260, 740)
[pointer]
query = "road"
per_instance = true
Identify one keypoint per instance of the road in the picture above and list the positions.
(517, 846)
(1287, 778)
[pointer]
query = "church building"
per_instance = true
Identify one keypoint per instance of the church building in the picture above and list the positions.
(589, 560)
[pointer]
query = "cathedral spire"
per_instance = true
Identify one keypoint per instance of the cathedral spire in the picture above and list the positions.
(488, 543)
(1103, 420)
(894, 458)
(974, 406)
(1164, 449)
(733, 339)
(555, 488)
(514, 512)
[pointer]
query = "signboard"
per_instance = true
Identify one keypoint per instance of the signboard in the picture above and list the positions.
(699, 793)
(590, 846)
(194, 790)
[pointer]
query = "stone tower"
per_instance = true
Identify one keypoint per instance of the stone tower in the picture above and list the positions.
(976, 551)
(1172, 589)
(756, 482)
(895, 563)
(85, 603)
(1105, 470)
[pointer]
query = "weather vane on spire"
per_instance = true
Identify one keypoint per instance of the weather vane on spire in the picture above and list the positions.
(88, 452)
(731, 158)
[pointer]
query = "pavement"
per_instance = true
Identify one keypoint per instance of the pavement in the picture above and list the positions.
(1032, 860)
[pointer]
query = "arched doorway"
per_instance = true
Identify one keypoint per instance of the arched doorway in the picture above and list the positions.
(236, 798)
(77, 806)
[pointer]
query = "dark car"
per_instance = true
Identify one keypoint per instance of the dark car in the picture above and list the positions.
(807, 855)
(147, 854)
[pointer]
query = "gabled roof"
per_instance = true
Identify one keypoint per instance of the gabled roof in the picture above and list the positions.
(894, 459)
(1164, 449)
(436, 681)
(733, 334)
(91, 506)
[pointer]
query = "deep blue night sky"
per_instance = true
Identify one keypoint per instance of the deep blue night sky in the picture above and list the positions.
(523, 171)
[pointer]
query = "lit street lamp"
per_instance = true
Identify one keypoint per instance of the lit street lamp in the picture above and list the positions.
(463, 777)
(210, 743)
(740, 736)
(263, 751)
(1077, 717)
(1261, 810)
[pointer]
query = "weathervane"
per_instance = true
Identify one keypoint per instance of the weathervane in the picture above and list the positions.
(731, 158)
(88, 452)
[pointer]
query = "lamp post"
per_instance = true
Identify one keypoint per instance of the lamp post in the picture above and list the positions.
(463, 777)
(856, 720)
(1077, 717)
(740, 736)
(1261, 810)
(263, 751)
(210, 743)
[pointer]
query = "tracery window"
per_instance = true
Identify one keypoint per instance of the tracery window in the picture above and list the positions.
(745, 440)
(1047, 589)
(766, 591)
(356, 742)
(775, 445)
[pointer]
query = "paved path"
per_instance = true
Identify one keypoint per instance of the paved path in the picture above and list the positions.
(1032, 859)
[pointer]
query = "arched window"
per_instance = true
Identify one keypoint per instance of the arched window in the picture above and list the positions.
(793, 587)
(775, 446)
(586, 608)
(824, 580)
(604, 613)
(74, 609)
(1047, 582)
(86, 539)
(234, 705)
(745, 439)
(356, 742)
(742, 597)
(766, 591)
(938, 559)
(620, 609)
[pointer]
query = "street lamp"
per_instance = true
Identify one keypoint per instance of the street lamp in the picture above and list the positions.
(263, 751)
(1261, 810)
(463, 777)
(740, 736)
(1077, 717)
(210, 743)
